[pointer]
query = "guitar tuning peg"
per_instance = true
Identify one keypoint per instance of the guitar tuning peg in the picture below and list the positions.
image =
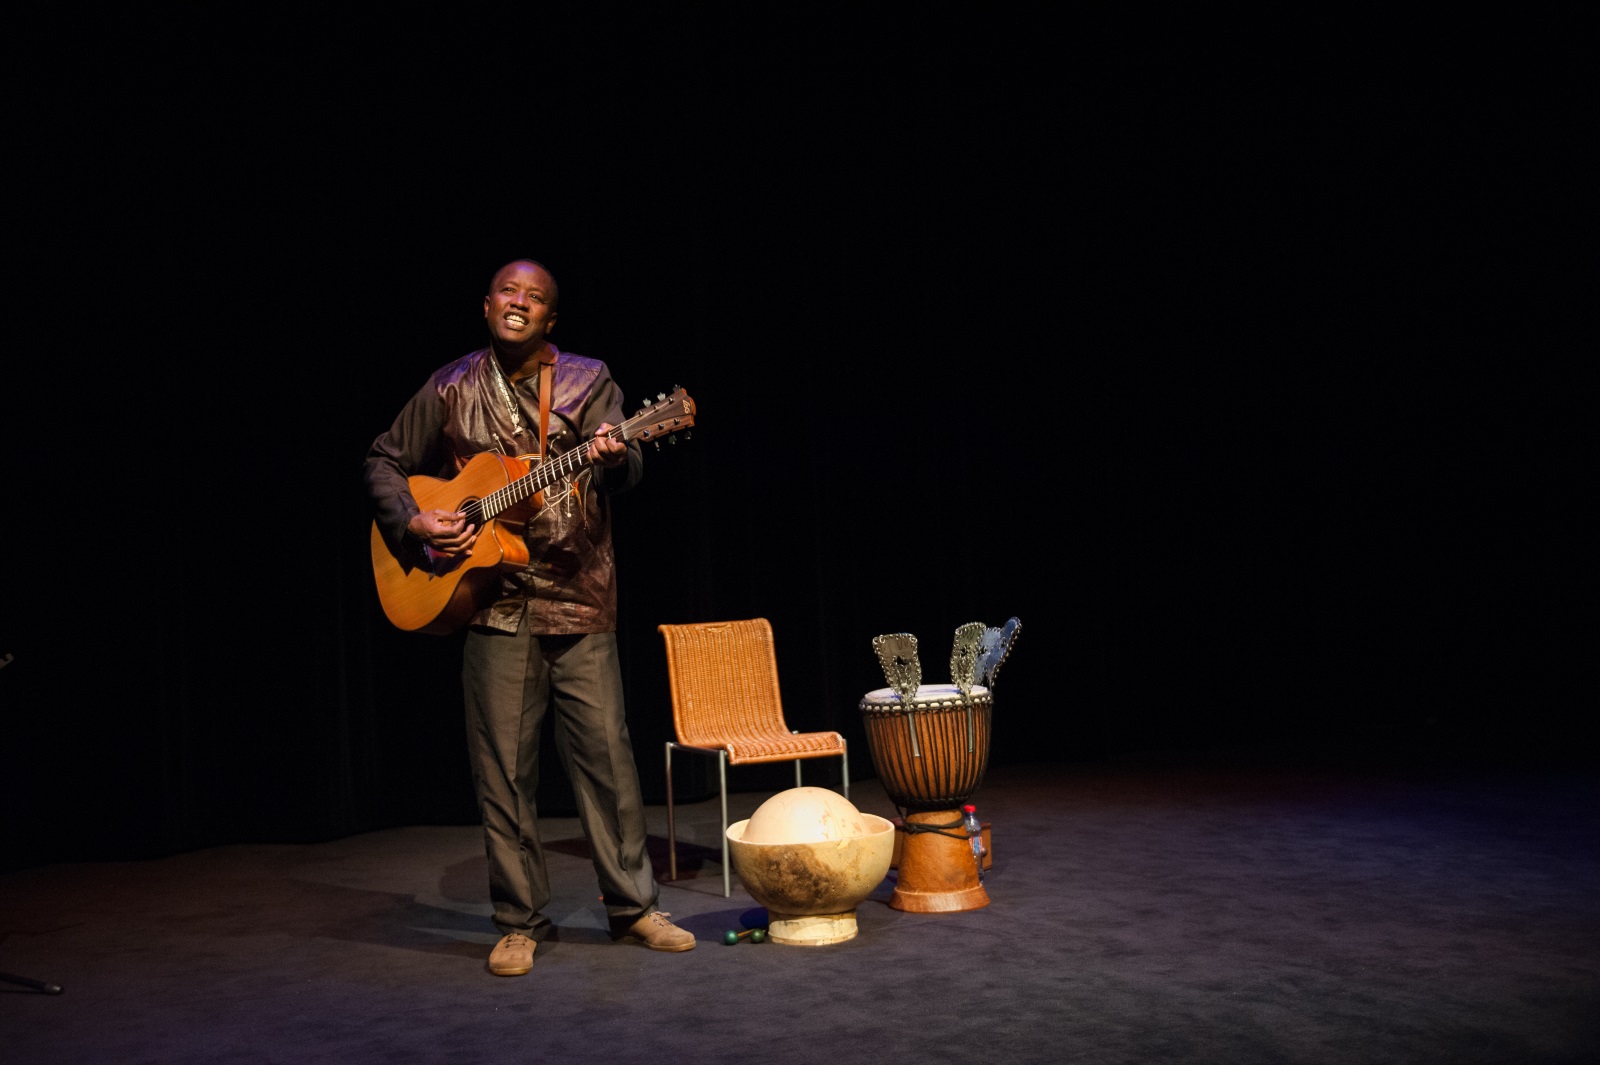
(661, 395)
(673, 441)
(658, 445)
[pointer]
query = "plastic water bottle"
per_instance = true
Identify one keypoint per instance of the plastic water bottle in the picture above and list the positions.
(969, 821)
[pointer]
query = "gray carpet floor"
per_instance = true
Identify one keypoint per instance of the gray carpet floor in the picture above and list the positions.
(1231, 908)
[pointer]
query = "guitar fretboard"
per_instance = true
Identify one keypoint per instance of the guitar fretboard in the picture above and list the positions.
(549, 472)
(671, 414)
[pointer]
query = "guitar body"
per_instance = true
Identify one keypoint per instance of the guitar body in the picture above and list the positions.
(441, 597)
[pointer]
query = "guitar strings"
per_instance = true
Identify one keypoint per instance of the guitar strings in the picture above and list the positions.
(547, 474)
(543, 476)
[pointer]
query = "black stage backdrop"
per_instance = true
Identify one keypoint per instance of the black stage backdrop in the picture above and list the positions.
(1248, 382)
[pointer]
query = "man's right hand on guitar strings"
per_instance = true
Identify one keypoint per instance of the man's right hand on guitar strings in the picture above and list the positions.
(446, 532)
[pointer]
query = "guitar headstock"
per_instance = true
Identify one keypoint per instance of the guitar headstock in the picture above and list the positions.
(667, 415)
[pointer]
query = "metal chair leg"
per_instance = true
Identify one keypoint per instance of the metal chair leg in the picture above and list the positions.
(722, 786)
(672, 827)
(672, 834)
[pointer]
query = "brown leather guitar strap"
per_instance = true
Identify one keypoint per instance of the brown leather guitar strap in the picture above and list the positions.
(547, 363)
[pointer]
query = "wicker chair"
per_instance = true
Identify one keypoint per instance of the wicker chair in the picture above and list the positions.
(726, 703)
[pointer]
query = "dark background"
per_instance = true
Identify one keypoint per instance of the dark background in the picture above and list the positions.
(1248, 378)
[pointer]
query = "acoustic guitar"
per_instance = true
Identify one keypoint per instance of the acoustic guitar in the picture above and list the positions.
(429, 593)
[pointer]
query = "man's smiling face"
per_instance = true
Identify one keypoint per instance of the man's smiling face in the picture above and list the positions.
(521, 305)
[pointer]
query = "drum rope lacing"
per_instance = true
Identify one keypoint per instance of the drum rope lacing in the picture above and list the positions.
(911, 826)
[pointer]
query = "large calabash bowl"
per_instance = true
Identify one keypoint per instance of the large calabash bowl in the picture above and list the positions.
(811, 858)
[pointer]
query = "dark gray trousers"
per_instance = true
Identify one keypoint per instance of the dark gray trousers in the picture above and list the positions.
(509, 682)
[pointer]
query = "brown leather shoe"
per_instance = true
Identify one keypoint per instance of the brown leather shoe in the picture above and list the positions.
(658, 933)
(512, 956)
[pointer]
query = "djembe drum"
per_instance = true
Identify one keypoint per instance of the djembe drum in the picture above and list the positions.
(931, 752)
(930, 744)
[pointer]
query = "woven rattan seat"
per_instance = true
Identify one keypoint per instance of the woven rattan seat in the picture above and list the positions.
(726, 702)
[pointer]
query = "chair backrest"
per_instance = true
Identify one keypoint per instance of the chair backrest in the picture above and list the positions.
(724, 681)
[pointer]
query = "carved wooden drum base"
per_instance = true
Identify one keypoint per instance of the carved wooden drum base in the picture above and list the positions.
(937, 873)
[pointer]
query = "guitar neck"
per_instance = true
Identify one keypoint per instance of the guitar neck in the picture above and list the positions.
(549, 472)
(671, 414)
